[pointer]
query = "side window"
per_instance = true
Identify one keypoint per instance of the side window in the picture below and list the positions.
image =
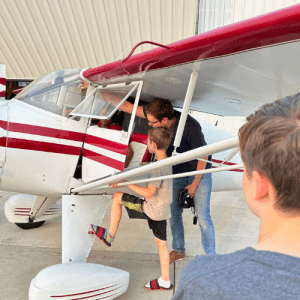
(56, 92)
(103, 102)
(70, 97)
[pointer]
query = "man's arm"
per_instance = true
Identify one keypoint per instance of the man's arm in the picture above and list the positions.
(128, 108)
(200, 166)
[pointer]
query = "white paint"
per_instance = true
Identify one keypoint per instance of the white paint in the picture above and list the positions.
(79, 279)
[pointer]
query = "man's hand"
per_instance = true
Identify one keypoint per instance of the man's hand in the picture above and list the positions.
(84, 85)
(191, 189)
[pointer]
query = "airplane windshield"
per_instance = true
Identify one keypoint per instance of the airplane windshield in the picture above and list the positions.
(56, 92)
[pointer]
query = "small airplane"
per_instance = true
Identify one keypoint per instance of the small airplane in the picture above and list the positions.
(50, 148)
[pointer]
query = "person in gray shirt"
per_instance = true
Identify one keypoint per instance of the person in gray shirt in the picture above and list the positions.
(153, 205)
(270, 150)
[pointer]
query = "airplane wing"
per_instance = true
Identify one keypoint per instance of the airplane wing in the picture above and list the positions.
(240, 66)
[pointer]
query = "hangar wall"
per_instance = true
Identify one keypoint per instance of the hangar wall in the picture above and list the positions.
(214, 13)
(39, 36)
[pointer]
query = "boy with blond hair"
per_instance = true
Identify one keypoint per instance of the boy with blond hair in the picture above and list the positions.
(154, 206)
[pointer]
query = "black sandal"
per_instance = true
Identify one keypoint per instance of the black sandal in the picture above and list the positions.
(154, 286)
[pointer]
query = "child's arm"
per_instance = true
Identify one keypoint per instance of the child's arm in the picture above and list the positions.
(146, 192)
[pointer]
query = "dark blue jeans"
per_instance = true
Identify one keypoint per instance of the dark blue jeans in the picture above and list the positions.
(202, 208)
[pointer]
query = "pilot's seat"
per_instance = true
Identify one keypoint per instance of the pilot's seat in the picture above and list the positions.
(138, 142)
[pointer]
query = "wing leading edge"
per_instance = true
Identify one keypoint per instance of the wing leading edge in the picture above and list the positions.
(241, 66)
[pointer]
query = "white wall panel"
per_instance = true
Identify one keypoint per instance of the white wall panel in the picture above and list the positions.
(229, 124)
(39, 36)
(214, 13)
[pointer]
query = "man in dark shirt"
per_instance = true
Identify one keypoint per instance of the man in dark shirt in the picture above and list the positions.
(270, 150)
(160, 113)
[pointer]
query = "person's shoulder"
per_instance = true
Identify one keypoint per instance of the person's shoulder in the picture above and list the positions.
(162, 172)
(208, 264)
(192, 121)
(115, 127)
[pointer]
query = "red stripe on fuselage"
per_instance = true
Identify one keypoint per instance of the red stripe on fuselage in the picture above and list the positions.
(3, 125)
(2, 80)
(227, 163)
(3, 142)
(66, 135)
(110, 162)
(106, 144)
(42, 146)
(2, 94)
(44, 131)
(61, 149)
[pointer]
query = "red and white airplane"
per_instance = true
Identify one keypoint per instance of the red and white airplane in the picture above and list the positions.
(50, 148)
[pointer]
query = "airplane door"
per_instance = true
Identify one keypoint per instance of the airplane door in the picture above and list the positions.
(104, 150)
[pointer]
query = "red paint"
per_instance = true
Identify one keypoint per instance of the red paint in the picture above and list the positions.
(154, 284)
(63, 134)
(3, 141)
(3, 125)
(42, 146)
(110, 162)
(106, 144)
(2, 94)
(227, 164)
(25, 215)
(59, 148)
(139, 138)
(45, 131)
(267, 30)
(2, 80)
(70, 295)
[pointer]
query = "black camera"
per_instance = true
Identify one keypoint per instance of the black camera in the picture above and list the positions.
(185, 200)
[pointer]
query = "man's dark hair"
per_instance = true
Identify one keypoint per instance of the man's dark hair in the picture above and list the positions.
(161, 136)
(160, 108)
(270, 144)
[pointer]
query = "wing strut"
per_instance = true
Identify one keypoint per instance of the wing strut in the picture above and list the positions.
(187, 156)
(185, 110)
(193, 173)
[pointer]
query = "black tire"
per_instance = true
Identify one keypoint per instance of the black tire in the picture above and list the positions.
(30, 225)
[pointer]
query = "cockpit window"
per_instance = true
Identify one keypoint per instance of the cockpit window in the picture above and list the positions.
(56, 92)
(103, 102)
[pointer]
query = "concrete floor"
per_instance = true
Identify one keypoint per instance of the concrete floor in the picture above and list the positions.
(23, 253)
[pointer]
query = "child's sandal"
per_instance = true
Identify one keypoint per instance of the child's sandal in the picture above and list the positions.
(154, 286)
(100, 233)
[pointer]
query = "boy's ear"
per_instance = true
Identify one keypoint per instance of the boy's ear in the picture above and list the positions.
(262, 185)
(154, 145)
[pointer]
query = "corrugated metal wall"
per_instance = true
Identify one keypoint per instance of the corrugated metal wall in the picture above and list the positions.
(216, 13)
(38, 36)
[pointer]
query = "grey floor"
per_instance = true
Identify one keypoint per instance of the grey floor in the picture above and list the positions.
(23, 253)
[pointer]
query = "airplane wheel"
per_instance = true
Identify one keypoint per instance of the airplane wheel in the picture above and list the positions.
(30, 225)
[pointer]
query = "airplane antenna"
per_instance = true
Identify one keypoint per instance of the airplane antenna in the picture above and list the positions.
(121, 54)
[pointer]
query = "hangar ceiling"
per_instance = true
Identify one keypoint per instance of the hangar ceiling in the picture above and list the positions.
(39, 36)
